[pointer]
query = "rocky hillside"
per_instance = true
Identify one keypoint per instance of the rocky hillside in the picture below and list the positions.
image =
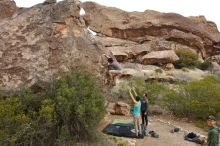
(39, 43)
(141, 39)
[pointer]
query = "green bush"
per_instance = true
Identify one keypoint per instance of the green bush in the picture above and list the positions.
(187, 58)
(195, 100)
(205, 65)
(68, 112)
(79, 105)
(26, 120)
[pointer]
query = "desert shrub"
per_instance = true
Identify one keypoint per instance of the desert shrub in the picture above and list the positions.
(187, 58)
(205, 65)
(26, 120)
(79, 105)
(196, 99)
(68, 112)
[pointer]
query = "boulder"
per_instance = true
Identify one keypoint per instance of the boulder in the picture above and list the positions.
(122, 108)
(121, 53)
(160, 57)
(118, 108)
(40, 44)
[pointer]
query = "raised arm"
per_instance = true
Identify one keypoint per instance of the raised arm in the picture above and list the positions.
(134, 91)
(107, 56)
(112, 56)
(132, 97)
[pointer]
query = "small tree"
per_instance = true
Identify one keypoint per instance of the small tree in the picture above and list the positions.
(79, 105)
(187, 58)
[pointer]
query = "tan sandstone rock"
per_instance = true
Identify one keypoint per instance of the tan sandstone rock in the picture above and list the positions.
(118, 108)
(122, 108)
(42, 42)
(158, 57)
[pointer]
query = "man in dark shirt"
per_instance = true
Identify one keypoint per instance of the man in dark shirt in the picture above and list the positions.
(144, 110)
(114, 69)
(213, 133)
(113, 63)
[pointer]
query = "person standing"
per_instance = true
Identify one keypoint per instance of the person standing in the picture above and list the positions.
(213, 133)
(144, 110)
(136, 112)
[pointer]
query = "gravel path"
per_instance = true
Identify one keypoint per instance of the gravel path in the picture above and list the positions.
(162, 127)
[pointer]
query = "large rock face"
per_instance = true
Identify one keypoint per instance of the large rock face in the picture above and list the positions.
(193, 32)
(41, 42)
(38, 44)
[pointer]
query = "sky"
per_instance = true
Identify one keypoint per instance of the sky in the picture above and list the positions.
(209, 8)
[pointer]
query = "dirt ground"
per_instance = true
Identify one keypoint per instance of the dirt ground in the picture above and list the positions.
(162, 125)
